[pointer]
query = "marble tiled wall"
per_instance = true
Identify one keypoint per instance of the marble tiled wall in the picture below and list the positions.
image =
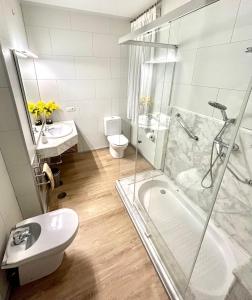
(187, 161)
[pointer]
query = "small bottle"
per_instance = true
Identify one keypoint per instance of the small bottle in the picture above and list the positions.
(44, 139)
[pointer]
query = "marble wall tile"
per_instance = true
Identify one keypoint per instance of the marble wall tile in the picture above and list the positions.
(187, 161)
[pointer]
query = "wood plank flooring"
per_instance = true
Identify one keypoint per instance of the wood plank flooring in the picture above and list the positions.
(107, 259)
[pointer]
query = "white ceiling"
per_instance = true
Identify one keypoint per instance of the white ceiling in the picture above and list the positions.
(122, 8)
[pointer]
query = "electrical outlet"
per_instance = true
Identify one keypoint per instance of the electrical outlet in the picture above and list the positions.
(70, 108)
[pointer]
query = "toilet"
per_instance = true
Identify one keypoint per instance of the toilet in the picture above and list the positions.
(41, 249)
(117, 141)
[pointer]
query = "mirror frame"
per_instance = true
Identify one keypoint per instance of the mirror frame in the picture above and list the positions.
(20, 80)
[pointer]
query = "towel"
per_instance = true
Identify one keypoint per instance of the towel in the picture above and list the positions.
(47, 170)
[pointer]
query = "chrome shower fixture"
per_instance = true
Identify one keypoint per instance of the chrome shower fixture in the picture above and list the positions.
(221, 148)
(221, 107)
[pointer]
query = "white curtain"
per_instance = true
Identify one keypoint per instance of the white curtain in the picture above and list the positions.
(140, 75)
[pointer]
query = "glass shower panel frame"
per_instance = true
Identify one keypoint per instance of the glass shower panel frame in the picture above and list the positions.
(153, 232)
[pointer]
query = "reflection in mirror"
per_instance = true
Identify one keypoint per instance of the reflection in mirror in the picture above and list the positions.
(26, 71)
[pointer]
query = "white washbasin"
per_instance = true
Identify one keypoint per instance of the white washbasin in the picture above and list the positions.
(58, 130)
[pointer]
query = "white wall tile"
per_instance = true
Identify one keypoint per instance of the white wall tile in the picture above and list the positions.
(12, 147)
(92, 68)
(63, 114)
(13, 27)
(243, 26)
(225, 66)
(103, 89)
(48, 90)
(39, 40)
(8, 119)
(68, 42)
(115, 67)
(76, 90)
(46, 16)
(123, 88)
(119, 107)
(209, 26)
(168, 5)
(233, 100)
(184, 66)
(55, 67)
(3, 78)
(105, 45)
(119, 27)
(117, 89)
(89, 22)
(124, 67)
(194, 98)
(91, 123)
(174, 32)
(9, 209)
(31, 90)
(124, 51)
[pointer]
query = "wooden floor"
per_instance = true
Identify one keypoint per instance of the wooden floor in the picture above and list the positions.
(107, 259)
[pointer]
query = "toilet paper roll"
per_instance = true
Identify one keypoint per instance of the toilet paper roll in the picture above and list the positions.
(150, 136)
(47, 170)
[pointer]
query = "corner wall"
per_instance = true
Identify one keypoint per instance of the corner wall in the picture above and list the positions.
(15, 139)
(80, 66)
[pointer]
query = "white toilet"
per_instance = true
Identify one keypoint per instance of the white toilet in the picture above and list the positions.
(36, 245)
(117, 141)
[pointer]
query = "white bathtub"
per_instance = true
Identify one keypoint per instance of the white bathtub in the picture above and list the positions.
(181, 226)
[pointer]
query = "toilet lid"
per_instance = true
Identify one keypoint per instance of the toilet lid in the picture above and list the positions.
(119, 140)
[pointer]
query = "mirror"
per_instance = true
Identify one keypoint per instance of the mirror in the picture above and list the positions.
(26, 71)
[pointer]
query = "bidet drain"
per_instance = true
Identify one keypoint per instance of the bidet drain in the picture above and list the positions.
(162, 192)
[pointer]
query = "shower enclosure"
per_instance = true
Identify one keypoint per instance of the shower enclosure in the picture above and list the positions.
(189, 194)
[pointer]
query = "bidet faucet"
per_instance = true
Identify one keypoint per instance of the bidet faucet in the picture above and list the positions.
(20, 235)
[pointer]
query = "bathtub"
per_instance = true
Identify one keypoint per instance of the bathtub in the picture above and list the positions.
(180, 223)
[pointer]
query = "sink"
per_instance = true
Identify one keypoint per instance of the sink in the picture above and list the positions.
(58, 130)
(61, 136)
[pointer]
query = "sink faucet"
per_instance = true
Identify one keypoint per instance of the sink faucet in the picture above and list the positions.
(20, 235)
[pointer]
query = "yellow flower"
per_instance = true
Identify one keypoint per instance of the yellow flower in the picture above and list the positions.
(33, 109)
(50, 107)
(145, 100)
(41, 107)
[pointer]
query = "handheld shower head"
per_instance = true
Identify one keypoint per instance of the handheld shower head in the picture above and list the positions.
(221, 107)
(217, 105)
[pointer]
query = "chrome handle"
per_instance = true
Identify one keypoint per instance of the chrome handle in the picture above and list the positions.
(20, 235)
(186, 128)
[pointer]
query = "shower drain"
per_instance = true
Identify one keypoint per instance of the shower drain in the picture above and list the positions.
(162, 192)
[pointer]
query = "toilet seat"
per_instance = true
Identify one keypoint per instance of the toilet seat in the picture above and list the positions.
(58, 229)
(118, 140)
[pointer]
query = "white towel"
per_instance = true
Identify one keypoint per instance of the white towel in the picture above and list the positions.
(47, 170)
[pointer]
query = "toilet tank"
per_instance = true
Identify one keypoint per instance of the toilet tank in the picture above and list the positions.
(112, 125)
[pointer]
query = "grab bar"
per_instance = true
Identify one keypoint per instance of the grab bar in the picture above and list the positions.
(185, 127)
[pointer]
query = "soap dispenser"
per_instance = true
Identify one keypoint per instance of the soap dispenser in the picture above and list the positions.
(44, 138)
